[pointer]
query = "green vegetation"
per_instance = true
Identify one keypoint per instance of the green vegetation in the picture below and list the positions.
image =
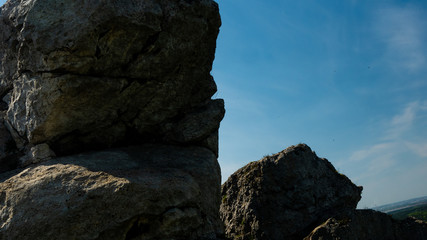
(419, 212)
(239, 236)
(422, 215)
(224, 198)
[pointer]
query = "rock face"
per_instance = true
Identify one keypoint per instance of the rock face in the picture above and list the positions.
(284, 196)
(107, 126)
(369, 224)
(81, 75)
(8, 150)
(144, 192)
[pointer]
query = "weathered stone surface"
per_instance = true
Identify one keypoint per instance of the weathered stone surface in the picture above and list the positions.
(369, 224)
(9, 154)
(79, 76)
(36, 154)
(93, 74)
(141, 192)
(284, 196)
(193, 127)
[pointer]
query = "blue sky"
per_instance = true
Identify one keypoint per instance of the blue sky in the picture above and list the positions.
(349, 78)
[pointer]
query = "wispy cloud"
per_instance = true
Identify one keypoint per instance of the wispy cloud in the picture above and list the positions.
(404, 31)
(375, 159)
(397, 140)
(403, 121)
(374, 150)
(399, 187)
(396, 159)
(418, 148)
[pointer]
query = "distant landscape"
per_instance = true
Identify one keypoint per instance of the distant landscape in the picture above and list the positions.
(416, 207)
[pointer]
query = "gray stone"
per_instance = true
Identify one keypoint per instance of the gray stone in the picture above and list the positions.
(36, 154)
(193, 127)
(284, 196)
(9, 154)
(93, 74)
(85, 76)
(140, 192)
(369, 224)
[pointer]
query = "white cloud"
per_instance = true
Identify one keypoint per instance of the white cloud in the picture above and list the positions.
(375, 160)
(403, 30)
(407, 117)
(402, 185)
(398, 141)
(403, 121)
(371, 151)
(419, 148)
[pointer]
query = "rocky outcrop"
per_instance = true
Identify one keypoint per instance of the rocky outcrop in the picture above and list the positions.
(141, 192)
(108, 131)
(82, 75)
(296, 195)
(284, 196)
(9, 154)
(107, 126)
(369, 224)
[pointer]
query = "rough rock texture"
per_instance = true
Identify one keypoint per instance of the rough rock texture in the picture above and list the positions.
(284, 196)
(8, 151)
(369, 224)
(80, 82)
(141, 192)
(81, 75)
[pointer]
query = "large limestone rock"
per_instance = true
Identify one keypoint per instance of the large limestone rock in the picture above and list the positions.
(141, 192)
(369, 224)
(284, 196)
(80, 82)
(80, 75)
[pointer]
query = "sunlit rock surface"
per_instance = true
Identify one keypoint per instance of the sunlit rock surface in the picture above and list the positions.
(92, 74)
(139, 192)
(107, 125)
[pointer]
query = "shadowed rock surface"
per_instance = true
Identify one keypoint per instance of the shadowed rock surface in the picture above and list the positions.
(284, 196)
(140, 192)
(8, 151)
(369, 224)
(80, 82)
(81, 75)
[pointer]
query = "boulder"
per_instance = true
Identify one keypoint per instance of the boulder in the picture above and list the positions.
(284, 196)
(107, 126)
(138, 192)
(369, 224)
(82, 75)
(9, 154)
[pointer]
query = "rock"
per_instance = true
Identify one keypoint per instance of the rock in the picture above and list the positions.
(108, 129)
(83, 75)
(9, 154)
(139, 192)
(193, 127)
(19, 142)
(369, 224)
(284, 196)
(38, 153)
